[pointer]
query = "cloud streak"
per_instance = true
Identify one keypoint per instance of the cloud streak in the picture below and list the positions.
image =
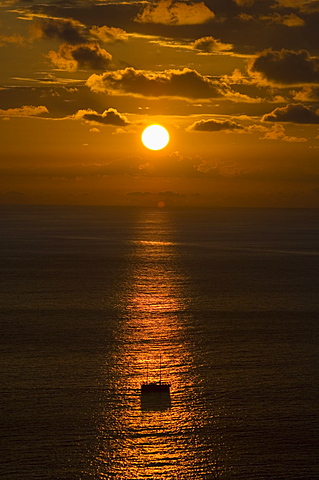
(25, 111)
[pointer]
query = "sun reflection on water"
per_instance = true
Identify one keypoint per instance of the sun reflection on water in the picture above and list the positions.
(156, 439)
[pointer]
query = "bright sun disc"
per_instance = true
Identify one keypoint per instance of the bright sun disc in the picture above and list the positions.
(155, 137)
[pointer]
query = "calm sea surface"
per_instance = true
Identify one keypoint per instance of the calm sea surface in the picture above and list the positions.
(92, 297)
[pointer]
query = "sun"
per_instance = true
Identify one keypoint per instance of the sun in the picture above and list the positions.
(155, 137)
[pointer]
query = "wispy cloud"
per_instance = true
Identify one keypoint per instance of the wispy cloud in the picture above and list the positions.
(289, 20)
(278, 132)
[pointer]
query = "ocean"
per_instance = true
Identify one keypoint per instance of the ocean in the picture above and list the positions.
(95, 299)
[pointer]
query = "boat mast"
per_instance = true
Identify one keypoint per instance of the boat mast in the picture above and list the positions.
(160, 369)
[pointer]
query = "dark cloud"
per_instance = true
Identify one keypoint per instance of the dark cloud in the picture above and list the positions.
(67, 30)
(108, 117)
(91, 57)
(80, 57)
(170, 12)
(184, 83)
(74, 32)
(214, 126)
(285, 67)
(294, 113)
(210, 45)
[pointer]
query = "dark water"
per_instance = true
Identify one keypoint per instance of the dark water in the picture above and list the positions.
(91, 297)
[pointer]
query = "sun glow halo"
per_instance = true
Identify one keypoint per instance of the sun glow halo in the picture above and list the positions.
(155, 137)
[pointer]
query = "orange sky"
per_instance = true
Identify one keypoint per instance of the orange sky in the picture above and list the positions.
(235, 82)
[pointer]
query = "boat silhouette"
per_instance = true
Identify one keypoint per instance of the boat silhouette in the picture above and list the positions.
(155, 387)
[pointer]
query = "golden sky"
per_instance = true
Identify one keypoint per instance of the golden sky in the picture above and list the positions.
(235, 82)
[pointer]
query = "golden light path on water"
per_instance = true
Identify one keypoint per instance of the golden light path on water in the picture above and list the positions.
(167, 440)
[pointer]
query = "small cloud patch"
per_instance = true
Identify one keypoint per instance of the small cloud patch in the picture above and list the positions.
(214, 126)
(108, 117)
(211, 45)
(80, 57)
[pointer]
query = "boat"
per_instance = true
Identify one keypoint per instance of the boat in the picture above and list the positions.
(155, 387)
